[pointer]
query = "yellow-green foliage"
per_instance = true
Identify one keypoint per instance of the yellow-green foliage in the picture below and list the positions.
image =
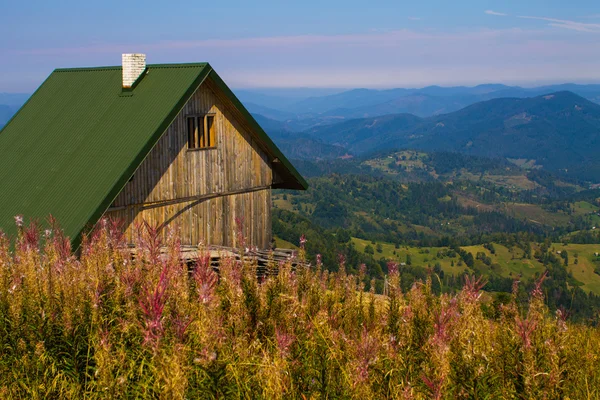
(102, 325)
(507, 262)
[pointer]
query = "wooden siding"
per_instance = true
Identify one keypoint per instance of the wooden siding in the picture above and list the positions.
(201, 192)
(209, 221)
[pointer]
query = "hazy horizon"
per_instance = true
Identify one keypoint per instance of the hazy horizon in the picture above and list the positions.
(304, 91)
(334, 44)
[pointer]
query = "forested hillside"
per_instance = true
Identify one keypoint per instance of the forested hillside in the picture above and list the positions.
(449, 214)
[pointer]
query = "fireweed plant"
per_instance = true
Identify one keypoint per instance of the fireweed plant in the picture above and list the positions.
(105, 325)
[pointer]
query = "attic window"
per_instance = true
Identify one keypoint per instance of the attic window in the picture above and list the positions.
(201, 131)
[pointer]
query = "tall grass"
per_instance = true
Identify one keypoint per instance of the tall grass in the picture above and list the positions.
(102, 325)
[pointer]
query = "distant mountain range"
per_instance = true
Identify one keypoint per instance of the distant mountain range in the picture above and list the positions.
(303, 113)
(560, 131)
(5, 113)
(9, 104)
(299, 145)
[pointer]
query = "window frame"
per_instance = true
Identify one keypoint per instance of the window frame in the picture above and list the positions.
(201, 135)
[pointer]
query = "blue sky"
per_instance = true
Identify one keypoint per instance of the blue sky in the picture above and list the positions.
(326, 43)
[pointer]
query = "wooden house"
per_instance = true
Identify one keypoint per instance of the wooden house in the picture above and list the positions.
(165, 143)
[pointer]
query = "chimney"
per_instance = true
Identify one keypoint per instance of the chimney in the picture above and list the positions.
(133, 66)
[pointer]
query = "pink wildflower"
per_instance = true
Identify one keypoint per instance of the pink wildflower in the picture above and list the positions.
(392, 268)
(562, 315)
(537, 290)
(515, 287)
(472, 288)
(150, 240)
(284, 341)
(180, 325)
(206, 279)
(152, 305)
(362, 270)
(525, 328)
(342, 261)
(302, 241)
(435, 385)
(367, 354)
(241, 240)
(443, 322)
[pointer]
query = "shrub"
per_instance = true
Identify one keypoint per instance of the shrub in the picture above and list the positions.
(104, 325)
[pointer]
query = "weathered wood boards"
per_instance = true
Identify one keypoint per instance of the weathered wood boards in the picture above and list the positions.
(202, 192)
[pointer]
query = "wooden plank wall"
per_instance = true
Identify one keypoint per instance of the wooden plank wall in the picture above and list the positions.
(171, 172)
(210, 221)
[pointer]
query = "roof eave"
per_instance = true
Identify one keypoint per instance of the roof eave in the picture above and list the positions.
(296, 181)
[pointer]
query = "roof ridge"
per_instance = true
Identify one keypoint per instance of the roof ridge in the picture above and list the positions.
(90, 69)
(118, 67)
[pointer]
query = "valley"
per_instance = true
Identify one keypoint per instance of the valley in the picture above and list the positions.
(450, 215)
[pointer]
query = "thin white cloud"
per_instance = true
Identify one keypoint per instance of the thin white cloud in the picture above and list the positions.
(402, 58)
(374, 38)
(492, 12)
(567, 24)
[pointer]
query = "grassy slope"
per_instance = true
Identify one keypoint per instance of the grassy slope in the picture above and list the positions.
(536, 214)
(584, 207)
(283, 244)
(589, 210)
(279, 202)
(510, 261)
(419, 256)
(584, 270)
(413, 160)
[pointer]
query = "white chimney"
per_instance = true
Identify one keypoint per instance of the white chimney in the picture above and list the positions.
(133, 66)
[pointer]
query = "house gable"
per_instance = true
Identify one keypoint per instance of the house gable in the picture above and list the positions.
(200, 192)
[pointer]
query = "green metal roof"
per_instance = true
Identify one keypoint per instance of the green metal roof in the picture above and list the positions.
(73, 146)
